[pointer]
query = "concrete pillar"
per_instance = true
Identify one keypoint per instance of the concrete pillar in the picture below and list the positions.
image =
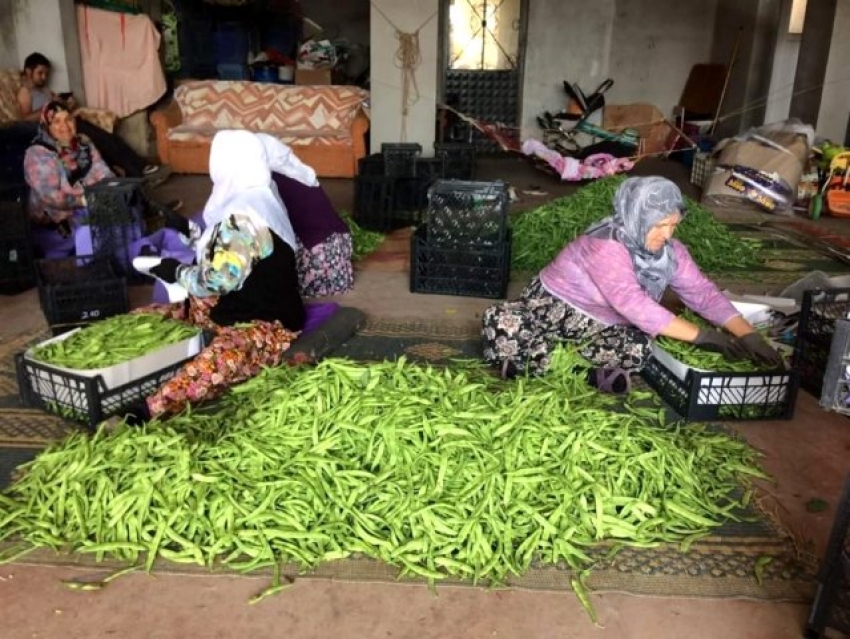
(757, 22)
(812, 60)
(833, 120)
(8, 39)
(71, 43)
(386, 77)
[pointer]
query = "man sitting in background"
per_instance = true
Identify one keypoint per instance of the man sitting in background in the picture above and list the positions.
(34, 94)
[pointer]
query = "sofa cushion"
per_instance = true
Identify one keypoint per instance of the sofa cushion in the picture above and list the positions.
(10, 82)
(259, 106)
(184, 134)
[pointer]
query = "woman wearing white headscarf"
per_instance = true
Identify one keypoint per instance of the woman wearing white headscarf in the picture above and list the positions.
(603, 292)
(243, 285)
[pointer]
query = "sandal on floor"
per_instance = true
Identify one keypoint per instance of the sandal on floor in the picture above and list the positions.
(611, 380)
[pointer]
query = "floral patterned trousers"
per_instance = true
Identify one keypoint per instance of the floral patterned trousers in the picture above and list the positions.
(235, 354)
(527, 330)
(326, 268)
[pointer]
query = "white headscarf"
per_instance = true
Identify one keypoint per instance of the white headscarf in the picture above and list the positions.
(639, 204)
(242, 183)
(282, 160)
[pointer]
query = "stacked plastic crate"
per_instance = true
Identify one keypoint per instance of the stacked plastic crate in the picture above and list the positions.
(16, 257)
(464, 247)
(92, 285)
(391, 187)
(820, 311)
(76, 291)
(114, 221)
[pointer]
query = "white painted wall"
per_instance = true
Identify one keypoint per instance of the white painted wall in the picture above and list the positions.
(386, 78)
(784, 69)
(835, 101)
(567, 40)
(653, 47)
(8, 37)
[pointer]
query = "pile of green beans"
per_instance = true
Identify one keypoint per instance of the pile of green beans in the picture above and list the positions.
(695, 357)
(363, 241)
(539, 234)
(114, 340)
(439, 472)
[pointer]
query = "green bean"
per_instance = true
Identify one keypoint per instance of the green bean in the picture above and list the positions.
(111, 341)
(695, 357)
(539, 234)
(760, 566)
(363, 242)
(439, 472)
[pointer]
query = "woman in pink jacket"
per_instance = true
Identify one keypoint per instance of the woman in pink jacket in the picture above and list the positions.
(603, 292)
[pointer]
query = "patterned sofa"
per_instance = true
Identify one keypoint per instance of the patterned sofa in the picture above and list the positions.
(324, 125)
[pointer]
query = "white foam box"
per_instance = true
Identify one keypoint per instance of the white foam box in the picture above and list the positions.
(724, 388)
(116, 375)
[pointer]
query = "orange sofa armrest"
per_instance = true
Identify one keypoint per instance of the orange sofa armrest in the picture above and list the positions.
(162, 120)
(358, 135)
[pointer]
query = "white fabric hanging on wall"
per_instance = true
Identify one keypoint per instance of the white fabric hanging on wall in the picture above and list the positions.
(121, 67)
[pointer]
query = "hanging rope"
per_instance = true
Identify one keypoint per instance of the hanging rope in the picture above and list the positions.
(408, 57)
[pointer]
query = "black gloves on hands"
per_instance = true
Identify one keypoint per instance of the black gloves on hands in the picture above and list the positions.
(166, 270)
(754, 347)
(719, 342)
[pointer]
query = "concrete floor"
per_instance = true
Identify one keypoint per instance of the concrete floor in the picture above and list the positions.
(807, 455)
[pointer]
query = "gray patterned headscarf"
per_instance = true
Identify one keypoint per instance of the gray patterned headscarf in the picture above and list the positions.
(639, 204)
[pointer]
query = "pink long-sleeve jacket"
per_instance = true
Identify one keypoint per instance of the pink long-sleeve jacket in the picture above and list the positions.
(596, 276)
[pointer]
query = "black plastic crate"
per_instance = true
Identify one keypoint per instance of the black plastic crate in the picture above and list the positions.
(430, 168)
(831, 607)
(114, 220)
(468, 272)
(400, 158)
(371, 165)
(17, 273)
(78, 398)
(458, 160)
(14, 219)
(815, 330)
(708, 396)
(410, 195)
(374, 201)
(76, 291)
(15, 139)
(461, 213)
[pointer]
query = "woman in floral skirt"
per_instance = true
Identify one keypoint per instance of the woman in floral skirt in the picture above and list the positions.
(603, 292)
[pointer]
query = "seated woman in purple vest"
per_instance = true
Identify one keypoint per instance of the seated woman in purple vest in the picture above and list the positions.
(324, 240)
(58, 165)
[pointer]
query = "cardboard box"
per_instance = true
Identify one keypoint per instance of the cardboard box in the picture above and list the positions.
(313, 76)
(776, 152)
